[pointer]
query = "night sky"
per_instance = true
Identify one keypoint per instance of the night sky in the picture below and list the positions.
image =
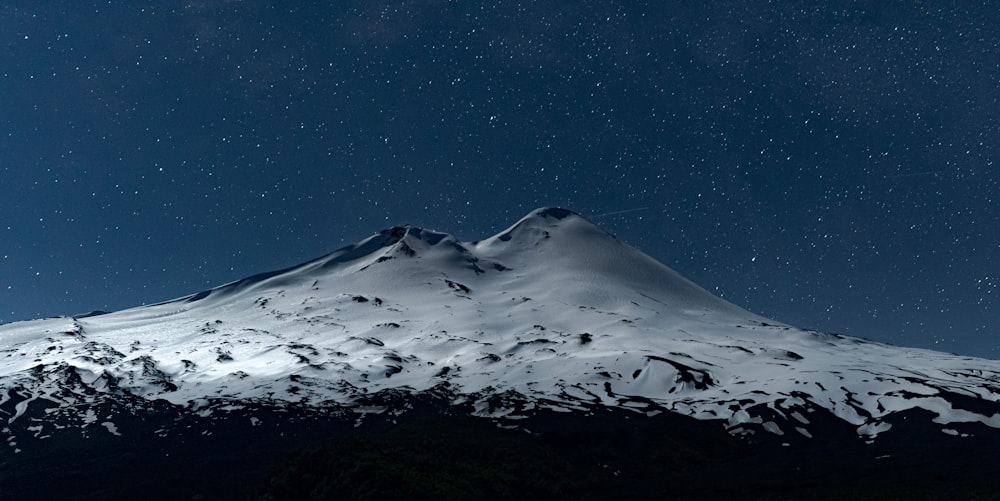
(826, 164)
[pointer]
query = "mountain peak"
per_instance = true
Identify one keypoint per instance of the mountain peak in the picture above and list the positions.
(409, 232)
(541, 223)
(557, 213)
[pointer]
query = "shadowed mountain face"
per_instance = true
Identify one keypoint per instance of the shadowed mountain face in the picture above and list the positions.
(541, 327)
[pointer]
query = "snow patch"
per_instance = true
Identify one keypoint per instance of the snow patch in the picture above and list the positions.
(112, 429)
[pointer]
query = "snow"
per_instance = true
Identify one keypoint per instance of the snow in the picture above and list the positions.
(112, 428)
(552, 308)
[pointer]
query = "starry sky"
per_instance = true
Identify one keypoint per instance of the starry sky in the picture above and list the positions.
(829, 165)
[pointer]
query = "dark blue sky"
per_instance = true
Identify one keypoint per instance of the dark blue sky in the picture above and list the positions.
(828, 166)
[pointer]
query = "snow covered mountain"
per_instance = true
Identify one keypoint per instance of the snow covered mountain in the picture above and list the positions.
(550, 315)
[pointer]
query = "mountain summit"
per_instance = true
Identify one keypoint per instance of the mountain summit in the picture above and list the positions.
(552, 316)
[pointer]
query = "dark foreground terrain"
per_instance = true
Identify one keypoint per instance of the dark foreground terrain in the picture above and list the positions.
(432, 451)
